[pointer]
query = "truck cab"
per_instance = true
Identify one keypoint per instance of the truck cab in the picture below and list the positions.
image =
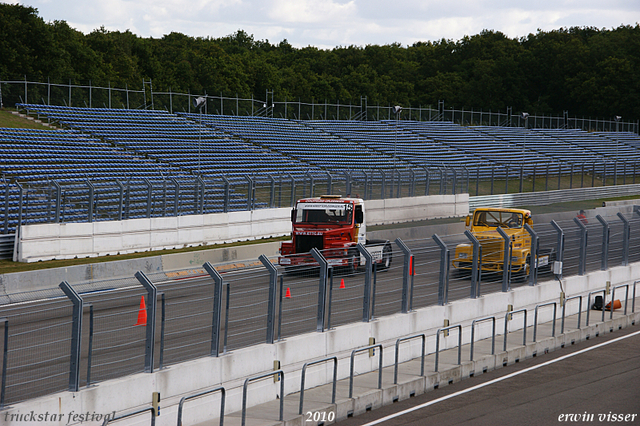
(484, 224)
(334, 225)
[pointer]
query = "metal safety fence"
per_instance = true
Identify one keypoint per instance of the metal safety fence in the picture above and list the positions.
(86, 333)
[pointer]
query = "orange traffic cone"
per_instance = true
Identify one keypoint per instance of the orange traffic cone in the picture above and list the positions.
(288, 293)
(616, 305)
(142, 313)
(342, 283)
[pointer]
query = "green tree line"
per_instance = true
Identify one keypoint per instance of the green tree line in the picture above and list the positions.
(587, 71)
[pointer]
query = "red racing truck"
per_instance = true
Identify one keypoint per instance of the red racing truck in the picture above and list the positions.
(335, 226)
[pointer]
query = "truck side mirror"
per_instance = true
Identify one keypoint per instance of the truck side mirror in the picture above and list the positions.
(359, 216)
(467, 221)
(529, 221)
(293, 215)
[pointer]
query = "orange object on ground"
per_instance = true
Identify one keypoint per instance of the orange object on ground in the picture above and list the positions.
(616, 305)
(342, 283)
(288, 293)
(142, 313)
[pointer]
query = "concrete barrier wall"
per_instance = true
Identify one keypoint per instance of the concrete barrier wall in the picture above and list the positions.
(71, 240)
(230, 370)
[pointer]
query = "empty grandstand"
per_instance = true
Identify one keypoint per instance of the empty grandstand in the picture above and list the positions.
(106, 164)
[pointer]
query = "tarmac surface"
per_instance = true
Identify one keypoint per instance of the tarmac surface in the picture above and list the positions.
(593, 382)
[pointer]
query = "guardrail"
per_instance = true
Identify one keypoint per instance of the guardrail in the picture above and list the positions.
(535, 320)
(509, 317)
(404, 339)
(280, 374)
(351, 370)
(493, 335)
(220, 389)
(564, 308)
(335, 377)
(440, 330)
(7, 243)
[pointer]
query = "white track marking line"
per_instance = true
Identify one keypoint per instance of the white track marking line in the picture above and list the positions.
(490, 382)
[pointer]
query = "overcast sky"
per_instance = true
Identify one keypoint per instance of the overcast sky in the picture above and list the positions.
(330, 23)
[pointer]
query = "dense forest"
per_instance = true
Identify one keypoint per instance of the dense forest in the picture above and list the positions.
(586, 71)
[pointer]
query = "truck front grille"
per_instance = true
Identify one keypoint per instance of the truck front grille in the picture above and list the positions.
(304, 243)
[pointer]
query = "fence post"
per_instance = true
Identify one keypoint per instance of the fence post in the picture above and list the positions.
(427, 181)
(176, 203)
(120, 199)
(225, 205)
(476, 265)
(322, 288)
(200, 199)
(217, 308)
(560, 246)
(20, 198)
(149, 196)
(406, 273)
(6, 208)
(582, 263)
(250, 192)
(604, 263)
(506, 262)
(76, 336)
(56, 218)
(533, 268)
(367, 306)
(152, 302)
(443, 283)
(272, 192)
(626, 236)
(273, 285)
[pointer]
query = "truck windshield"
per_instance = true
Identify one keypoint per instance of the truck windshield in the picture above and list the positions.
(324, 213)
(496, 219)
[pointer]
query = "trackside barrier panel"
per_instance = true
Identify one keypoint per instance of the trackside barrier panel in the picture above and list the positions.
(4, 361)
(445, 265)
(613, 297)
(322, 287)
(506, 262)
(280, 373)
(535, 319)
(606, 232)
(217, 308)
(304, 372)
(199, 394)
(133, 413)
(353, 354)
(535, 244)
(395, 368)
(604, 295)
(459, 327)
(493, 335)
(76, 336)
(507, 318)
(406, 273)
(564, 309)
(152, 303)
(476, 265)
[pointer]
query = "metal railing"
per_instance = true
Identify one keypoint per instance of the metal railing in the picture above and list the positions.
(535, 319)
(422, 355)
(509, 317)
(200, 312)
(184, 399)
(352, 365)
(334, 381)
(445, 329)
(493, 335)
(280, 375)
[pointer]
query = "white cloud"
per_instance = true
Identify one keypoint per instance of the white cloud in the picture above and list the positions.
(330, 23)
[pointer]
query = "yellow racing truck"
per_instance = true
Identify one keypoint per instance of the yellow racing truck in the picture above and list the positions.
(484, 224)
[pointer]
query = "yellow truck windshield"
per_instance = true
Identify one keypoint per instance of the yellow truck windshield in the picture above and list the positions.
(494, 219)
